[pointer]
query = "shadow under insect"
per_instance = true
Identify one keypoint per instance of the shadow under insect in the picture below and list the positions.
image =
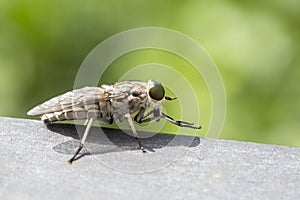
(106, 140)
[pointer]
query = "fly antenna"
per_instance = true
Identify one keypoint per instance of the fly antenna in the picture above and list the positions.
(170, 98)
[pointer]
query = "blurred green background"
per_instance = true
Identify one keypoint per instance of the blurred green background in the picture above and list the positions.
(255, 44)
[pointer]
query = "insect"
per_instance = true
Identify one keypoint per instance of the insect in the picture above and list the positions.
(109, 103)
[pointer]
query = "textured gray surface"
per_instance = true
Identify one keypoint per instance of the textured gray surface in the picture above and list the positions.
(33, 166)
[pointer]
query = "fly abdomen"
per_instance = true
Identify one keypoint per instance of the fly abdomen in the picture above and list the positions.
(61, 116)
(105, 117)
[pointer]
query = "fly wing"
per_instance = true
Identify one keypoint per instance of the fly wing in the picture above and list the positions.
(72, 101)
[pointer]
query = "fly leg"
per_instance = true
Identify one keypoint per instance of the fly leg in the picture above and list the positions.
(180, 123)
(147, 119)
(88, 124)
(170, 119)
(135, 132)
(150, 119)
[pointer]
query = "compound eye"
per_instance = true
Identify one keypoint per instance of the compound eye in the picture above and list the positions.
(156, 91)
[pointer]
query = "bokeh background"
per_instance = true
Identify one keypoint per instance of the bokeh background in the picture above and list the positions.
(255, 44)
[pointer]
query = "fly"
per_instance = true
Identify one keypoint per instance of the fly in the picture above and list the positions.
(109, 103)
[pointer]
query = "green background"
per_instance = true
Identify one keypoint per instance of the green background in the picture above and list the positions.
(255, 44)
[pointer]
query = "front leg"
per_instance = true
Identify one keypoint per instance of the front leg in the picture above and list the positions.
(180, 123)
(157, 117)
(143, 117)
(150, 119)
(142, 114)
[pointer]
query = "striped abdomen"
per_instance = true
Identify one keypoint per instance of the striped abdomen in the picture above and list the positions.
(99, 111)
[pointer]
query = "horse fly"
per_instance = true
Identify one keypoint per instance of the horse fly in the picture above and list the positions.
(108, 103)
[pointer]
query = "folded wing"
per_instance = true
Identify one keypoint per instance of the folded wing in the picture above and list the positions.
(76, 100)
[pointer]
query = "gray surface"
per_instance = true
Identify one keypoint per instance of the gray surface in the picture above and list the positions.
(33, 166)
